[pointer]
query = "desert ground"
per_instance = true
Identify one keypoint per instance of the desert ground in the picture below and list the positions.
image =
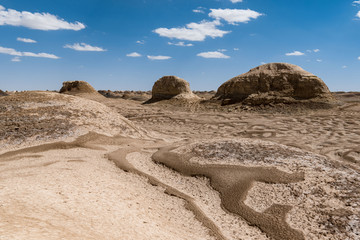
(108, 166)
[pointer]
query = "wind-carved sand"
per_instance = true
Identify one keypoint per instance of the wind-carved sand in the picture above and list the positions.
(72, 167)
(233, 183)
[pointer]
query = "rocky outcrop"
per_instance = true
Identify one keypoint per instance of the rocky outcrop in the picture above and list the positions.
(2, 93)
(77, 87)
(279, 82)
(169, 87)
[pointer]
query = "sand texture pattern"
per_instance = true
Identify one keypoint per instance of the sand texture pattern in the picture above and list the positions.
(93, 167)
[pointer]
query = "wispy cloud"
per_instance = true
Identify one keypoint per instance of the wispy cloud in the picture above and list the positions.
(13, 52)
(84, 47)
(234, 16)
(181, 44)
(158, 57)
(134, 54)
(295, 53)
(16, 59)
(358, 58)
(215, 54)
(236, 1)
(356, 3)
(26, 40)
(319, 60)
(140, 42)
(39, 21)
(193, 31)
(236, 49)
(315, 50)
(358, 14)
(198, 11)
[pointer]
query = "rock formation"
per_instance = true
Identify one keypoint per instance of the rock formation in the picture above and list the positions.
(2, 93)
(169, 87)
(273, 82)
(74, 87)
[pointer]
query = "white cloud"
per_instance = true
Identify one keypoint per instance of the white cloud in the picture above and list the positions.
(319, 60)
(212, 55)
(84, 47)
(140, 42)
(26, 40)
(315, 51)
(10, 51)
(295, 53)
(356, 2)
(158, 57)
(13, 52)
(198, 11)
(16, 59)
(236, 49)
(39, 21)
(222, 50)
(358, 14)
(181, 44)
(134, 54)
(344, 66)
(193, 31)
(234, 16)
(358, 58)
(236, 1)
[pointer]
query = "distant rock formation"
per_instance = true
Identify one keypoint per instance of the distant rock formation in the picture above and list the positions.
(139, 96)
(74, 87)
(2, 93)
(169, 87)
(273, 82)
(110, 94)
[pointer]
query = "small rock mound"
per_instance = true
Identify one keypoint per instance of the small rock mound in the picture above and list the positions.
(2, 93)
(274, 82)
(169, 87)
(74, 87)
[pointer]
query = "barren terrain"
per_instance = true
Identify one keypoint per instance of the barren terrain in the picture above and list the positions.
(91, 167)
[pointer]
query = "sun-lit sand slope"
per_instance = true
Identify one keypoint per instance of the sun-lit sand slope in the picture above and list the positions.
(74, 168)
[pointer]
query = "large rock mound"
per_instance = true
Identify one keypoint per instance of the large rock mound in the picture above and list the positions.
(77, 87)
(169, 87)
(274, 82)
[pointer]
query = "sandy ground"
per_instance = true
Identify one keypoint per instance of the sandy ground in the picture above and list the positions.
(235, 170)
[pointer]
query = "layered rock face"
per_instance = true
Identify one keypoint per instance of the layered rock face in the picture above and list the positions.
(274, 81)
(77, 87)
(169, 87)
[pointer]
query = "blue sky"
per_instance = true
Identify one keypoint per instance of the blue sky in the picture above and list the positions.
(128, 45)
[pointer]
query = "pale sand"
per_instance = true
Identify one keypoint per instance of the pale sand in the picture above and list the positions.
(79, 194)
(71, 190)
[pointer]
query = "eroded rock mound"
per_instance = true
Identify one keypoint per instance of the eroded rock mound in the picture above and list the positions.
(77, 87)
(2, 93)
(169, 87)
(274, 82)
